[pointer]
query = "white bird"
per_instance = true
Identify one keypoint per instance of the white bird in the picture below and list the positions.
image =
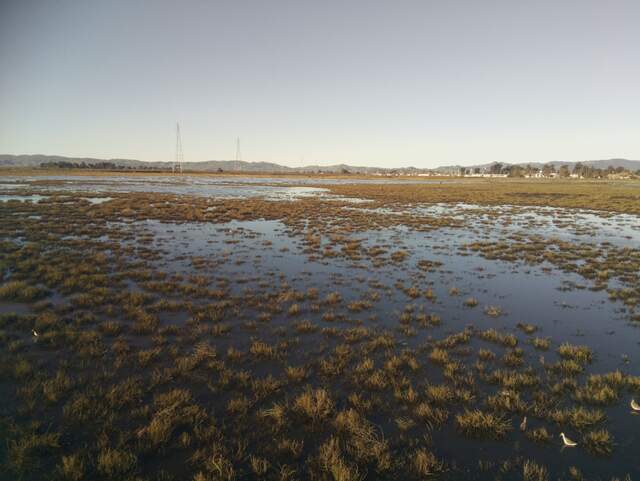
(635, 406)
(523, 424)
(567, 441)
(34, 332)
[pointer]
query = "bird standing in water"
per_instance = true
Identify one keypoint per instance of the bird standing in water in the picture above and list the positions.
(567, 441)
(523, 424)
(34, 332)
(635, 406)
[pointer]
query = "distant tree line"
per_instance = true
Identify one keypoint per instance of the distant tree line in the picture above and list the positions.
(549, 170)
(64, 164)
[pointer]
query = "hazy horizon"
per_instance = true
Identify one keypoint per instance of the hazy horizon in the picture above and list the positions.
(420, 84)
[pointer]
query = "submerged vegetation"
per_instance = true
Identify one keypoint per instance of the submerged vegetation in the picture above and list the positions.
(158, 337)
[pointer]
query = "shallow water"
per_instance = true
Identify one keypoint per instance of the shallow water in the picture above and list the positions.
(228, 187)
(261, 257)
(266, 250)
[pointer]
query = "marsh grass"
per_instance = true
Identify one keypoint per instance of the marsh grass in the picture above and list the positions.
(527, 328)
(29, 450)
(541, 343)
(262, 350)
(296, 373)
(332, 461)
(183, 411)
(439, 356)
(426, 464)
(72, 467)
(277, 414)
(580, 354)
(578, 417)
(314, 404)
(539, 435)
(363, 440)
(480, 424)
(491, 335)
(114, 463)
(532, 471)
(598, 442)
(493, 311)
(305, 327)
(20, 291)
(470, 302)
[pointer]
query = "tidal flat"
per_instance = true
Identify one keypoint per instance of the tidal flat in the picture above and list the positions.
(228, 328)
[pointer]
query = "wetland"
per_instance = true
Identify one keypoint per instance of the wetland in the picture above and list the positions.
(289, 328)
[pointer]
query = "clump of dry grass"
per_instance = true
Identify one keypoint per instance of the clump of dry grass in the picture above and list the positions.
(486, 355)
(305, 327)
(333, 298)
(262, 350)
(532, 471)
(294, 309)
(172, 410)
(54, 388)
(115, 463)
(259, 465)
(527, 328)
(470, 302)
(26, 453)
(482, 424)
(493, 311)
(314, 404)
(580, 354)
(597, 393)
(599, 442)
(399, 256)
(364, 441)
(578, 417)
(296, 373)
(539, 435)
(491, 335)
(72, 467)
(541, 343)
(331, 460)
(439, 356)
(20, 291)
(238, 406)
(425, 463)
(276, 413)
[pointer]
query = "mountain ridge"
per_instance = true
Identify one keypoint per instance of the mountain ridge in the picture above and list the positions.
(37, 160)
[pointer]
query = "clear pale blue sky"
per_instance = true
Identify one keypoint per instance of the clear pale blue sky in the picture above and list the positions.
(386, 83)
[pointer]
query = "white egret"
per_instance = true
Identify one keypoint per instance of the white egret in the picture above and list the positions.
(34, 332)
(635, 406)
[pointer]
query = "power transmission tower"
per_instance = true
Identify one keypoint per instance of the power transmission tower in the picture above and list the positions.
(177, 164)
(238, 155)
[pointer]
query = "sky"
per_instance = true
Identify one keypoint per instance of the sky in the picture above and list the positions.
(379, 83)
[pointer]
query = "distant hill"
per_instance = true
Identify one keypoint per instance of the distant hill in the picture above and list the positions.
(241, 166)
(205, 166)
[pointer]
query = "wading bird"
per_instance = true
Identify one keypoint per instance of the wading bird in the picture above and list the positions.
(635, 406)
(523, 424)
(34, 332)
(567, 441)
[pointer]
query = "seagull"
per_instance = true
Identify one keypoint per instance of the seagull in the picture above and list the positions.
(635, 406)
(523, 424)
(567, 441)
(34, 332)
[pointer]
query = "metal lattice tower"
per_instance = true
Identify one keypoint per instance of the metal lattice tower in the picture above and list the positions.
(177, 164)
(238, 155)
